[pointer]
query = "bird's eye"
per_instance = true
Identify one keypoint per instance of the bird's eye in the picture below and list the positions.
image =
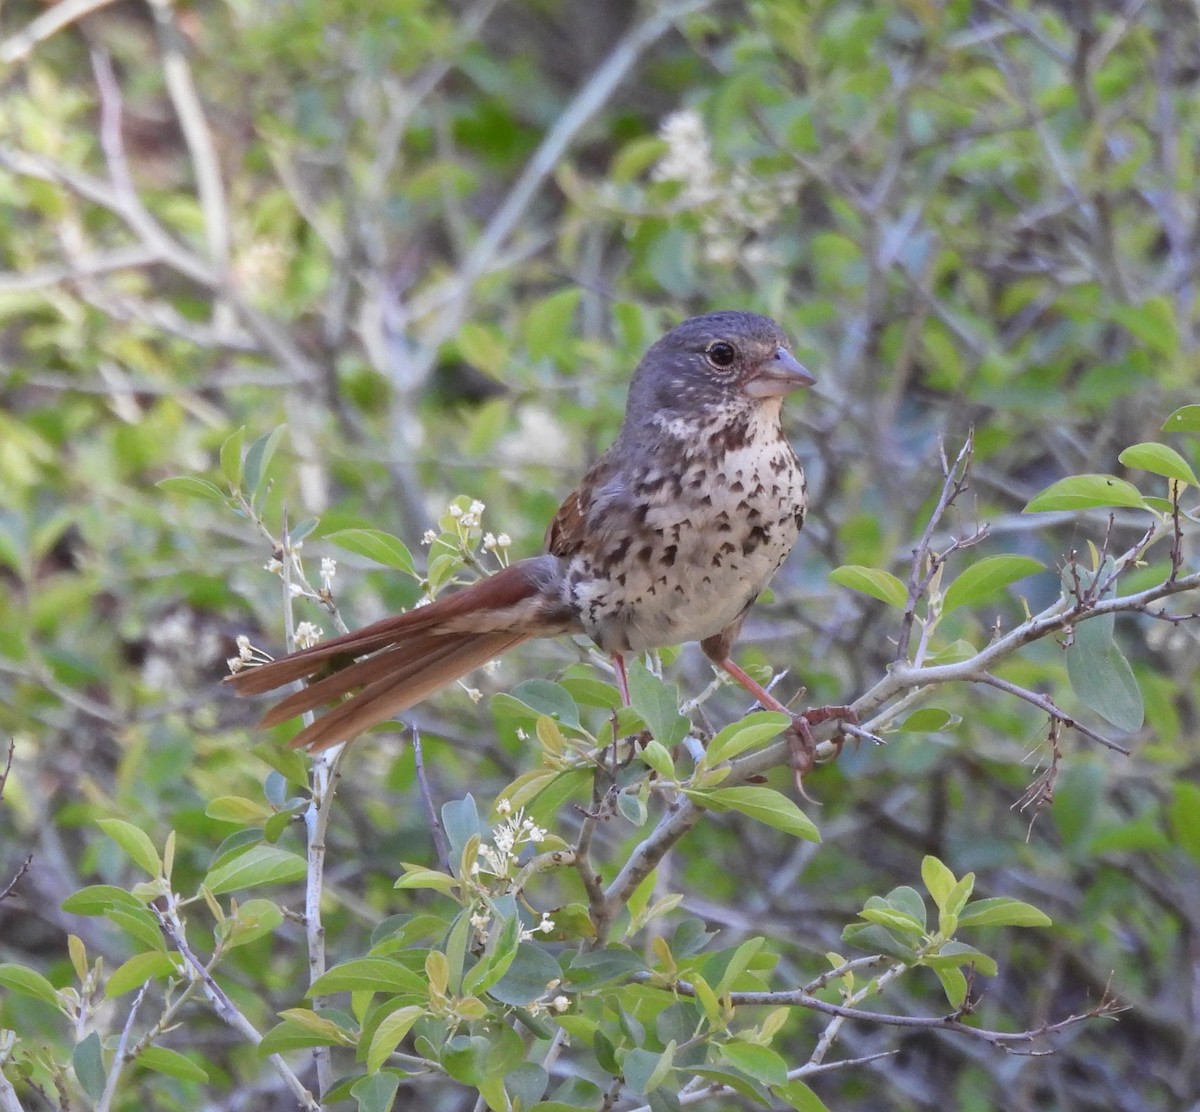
(721, 354)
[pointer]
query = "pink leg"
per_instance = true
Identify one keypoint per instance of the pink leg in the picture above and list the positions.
(765, 698)
(622, 678)
(800, 736)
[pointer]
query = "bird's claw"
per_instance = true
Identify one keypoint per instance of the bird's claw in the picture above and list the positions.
(802, 741)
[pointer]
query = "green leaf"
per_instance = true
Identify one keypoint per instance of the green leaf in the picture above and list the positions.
(657, 703)
(1158, 459)
(1081, 492)
(957, 954)
(592, 968)
(87, 1059)
(416, 876)
(929, 720)
(646, 1070)
(893, 920)
(655, 755)
(527, 977)
(191, 487)
(999, 911)
(764, 804)
(1152, 322)
(759, 1062)
(954, 984)
(548, 324)
(236, 808)
(376, 1092)
(375, 545)
(370, 974)
(1101, 676)
(390, 1033)
(231, 457)
(800, 1097)
(1185, 419)
(137, 971)
(752, 730)
(252, 920)
(258, 458)
(739, 962)
(875, 582)
(99, 899)
(533, 698)
(1183, 815)
(18, 978)
(261, 864)
(984, 579)
(172, 1064)
(136, 844)
(939, 880)
(301, 1028)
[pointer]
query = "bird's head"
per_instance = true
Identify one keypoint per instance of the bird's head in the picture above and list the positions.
(730, 360)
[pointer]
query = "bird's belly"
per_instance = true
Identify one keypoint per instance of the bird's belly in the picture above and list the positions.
(698, 558)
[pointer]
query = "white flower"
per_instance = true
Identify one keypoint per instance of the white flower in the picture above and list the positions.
(456, 510)
(503, 540)
(491, 667)
(307, 634)
(273, 566)
(470, 520)
(429, 537)
(503, 807)
(688, 157)
(477, 508)
(489, 541)
(560, 1003)
(546, 925)
(328, 569)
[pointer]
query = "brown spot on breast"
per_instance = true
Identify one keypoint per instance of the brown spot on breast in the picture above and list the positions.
(757, 535)
(667, 559)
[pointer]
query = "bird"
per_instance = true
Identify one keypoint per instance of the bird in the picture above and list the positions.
(669, 538)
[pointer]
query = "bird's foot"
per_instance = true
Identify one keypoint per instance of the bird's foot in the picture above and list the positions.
(802, 742)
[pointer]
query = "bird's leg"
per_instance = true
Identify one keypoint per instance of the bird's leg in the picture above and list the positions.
(802, 743)
(622, 678)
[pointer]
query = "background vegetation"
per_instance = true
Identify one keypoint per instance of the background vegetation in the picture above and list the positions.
(432, 240)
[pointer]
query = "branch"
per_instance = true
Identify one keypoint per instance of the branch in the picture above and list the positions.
(954, 485)
(952, 1022)
(226, 1009)
(19, 46)
(119, 1056)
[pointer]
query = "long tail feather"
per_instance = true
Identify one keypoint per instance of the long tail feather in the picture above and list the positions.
(393, 694)
(407, 658)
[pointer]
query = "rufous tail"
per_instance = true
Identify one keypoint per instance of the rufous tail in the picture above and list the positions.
(403, 659)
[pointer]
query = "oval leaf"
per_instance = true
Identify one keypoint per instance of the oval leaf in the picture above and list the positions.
(1000, 911)
(260, 865)
(764, 804)
(136, 843)
(752, 730)
(389, 1033)
(20, 979)
(171, 1063)
(1082, 492)
(1158, 459)
(375, 545)
(137, 971)
(191, 487)
(875, 582)
(370, 974)
(982, 580)
(1184, 419)
(1102, 678)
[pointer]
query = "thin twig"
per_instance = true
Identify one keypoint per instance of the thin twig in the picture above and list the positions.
(19, 46)
(440, 842)
(223, 1005)
(119, 1056)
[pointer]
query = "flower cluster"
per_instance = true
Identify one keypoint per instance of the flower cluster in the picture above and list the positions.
(736, 209)
(248, 656)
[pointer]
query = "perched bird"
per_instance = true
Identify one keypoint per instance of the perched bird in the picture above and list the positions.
(670, 537)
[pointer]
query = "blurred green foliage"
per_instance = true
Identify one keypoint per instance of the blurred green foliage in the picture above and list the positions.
(432, 240)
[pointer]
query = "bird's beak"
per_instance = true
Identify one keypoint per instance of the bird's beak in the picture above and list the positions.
(778, 375)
